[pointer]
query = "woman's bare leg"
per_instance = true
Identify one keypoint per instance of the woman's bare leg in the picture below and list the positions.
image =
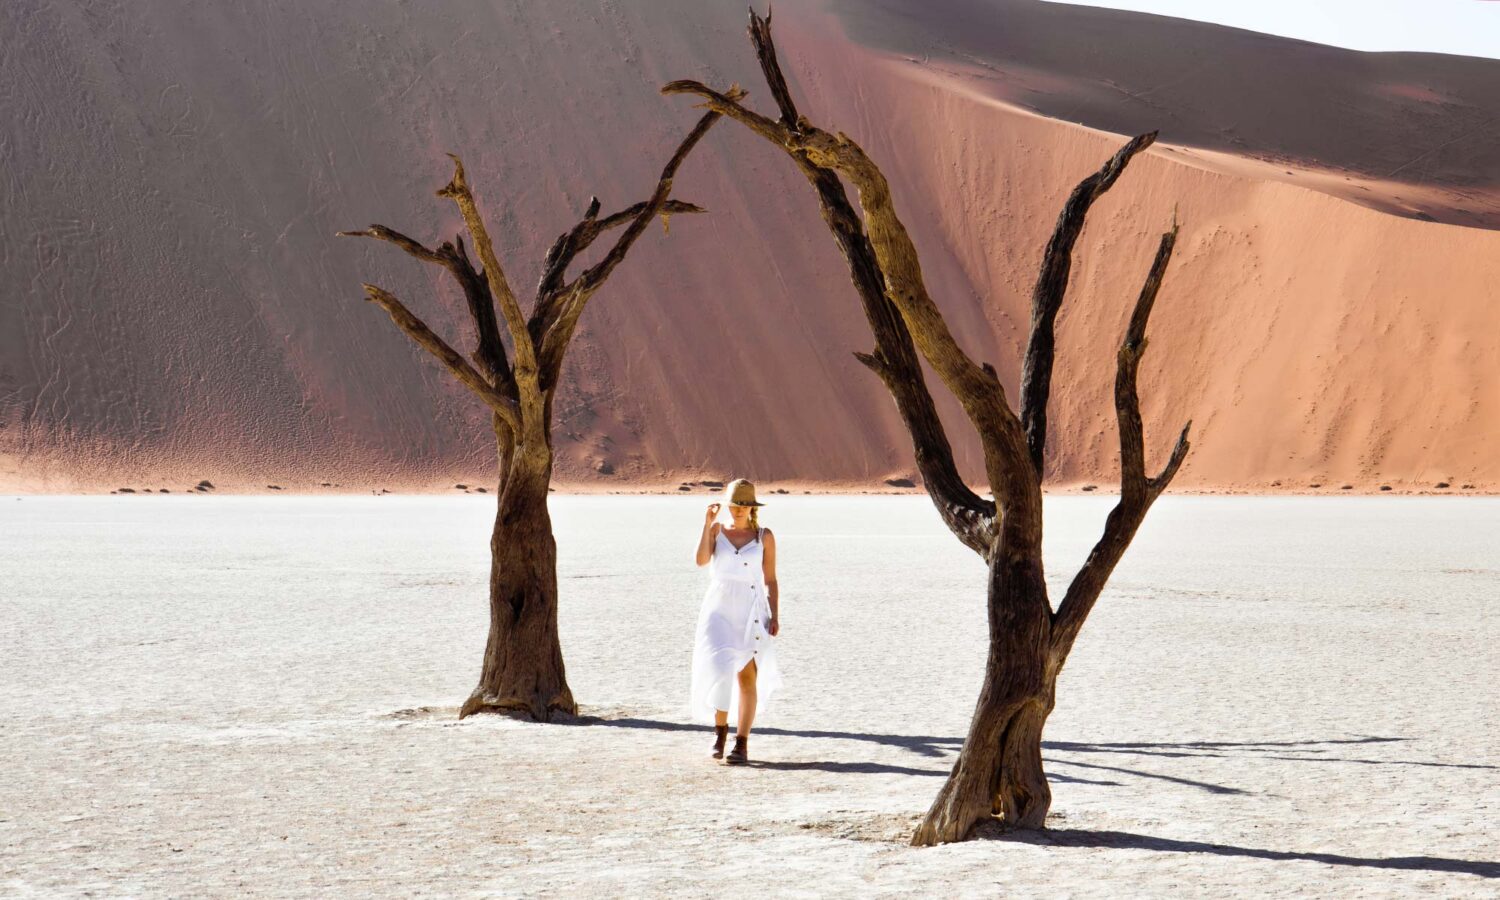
(747, 699)
(721, 717)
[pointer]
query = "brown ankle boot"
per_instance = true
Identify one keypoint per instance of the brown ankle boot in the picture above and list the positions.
(721, 734)
(741, 752)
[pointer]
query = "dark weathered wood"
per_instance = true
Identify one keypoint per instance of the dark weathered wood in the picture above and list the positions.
(489, 353)
(770, 67)
(504, 407)
(1016, 678)
(522, 671)
(554, 296)
(999, 770)
(559, 310)
(578, 239)
(1137, 491)
(977, 390)
(1052, 285)
(525, 366)
(594, 275)
(894, 359)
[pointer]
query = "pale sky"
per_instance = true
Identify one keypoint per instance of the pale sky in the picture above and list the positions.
(1463, 27)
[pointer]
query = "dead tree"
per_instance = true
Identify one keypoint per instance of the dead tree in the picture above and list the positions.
(523, 666)
(999, 770)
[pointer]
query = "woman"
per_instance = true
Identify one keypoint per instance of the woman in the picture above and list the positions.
(734, 656)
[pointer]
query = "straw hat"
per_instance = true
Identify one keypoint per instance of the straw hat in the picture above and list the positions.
(741, 493)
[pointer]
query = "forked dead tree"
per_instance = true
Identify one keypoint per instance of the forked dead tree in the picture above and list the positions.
(999, 770)
(523, 666)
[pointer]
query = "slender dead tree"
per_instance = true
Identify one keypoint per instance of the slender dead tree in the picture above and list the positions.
(523, 666)
(999, 770)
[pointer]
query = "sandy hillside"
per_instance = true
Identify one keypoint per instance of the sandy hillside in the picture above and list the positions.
(1408, 133)
(255, 696)
(178, 309)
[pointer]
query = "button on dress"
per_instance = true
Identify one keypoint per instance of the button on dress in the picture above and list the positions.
(732, 631)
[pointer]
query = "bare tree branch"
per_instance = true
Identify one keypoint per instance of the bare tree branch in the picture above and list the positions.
(1052, 285)
(671, 207)
(1137, 492)
(999, 770)
(554, 296)
(576, 240)
(729, 105)
(526, 368)
(557, 260)
(970, 518)
(1133, 483)
(976, 388)
(595, 275)
(894, 360)
(523, 666)
(505, 407)
(558, 310)
(489, 354)
(1163, 478)
(770, 67)
(390, 235)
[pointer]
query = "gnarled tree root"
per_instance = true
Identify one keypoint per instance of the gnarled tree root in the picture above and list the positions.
(537, 709)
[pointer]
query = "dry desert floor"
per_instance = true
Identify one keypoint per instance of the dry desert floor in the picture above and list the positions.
(215, 696)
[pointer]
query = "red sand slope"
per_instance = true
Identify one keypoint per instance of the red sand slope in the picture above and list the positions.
(178, 308)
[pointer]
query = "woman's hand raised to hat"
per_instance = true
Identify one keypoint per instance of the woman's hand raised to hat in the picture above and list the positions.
(712, 514)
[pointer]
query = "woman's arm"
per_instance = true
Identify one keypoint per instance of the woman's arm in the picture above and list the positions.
(768, 568)
(710, 531)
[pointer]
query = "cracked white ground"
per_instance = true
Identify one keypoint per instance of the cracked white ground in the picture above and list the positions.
(230, 695)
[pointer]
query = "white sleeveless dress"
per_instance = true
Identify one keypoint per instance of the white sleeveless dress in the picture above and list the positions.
(731, 632)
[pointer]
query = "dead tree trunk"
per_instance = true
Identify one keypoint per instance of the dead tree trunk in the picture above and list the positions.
(523, 671)
(523, 664)
(999, 770)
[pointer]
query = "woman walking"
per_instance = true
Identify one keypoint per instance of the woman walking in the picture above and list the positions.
(734, 654)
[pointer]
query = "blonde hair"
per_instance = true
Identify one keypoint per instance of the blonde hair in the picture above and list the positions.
(730, 490)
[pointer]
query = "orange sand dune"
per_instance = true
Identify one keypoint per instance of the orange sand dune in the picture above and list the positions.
(1408, 133)
(178, 308)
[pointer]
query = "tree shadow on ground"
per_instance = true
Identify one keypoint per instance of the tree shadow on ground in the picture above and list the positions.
(865, 768)
(921, 745)
(938, 747)
(1061, 753)
(1295, 751)
(928, 746)
(1125, 840)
